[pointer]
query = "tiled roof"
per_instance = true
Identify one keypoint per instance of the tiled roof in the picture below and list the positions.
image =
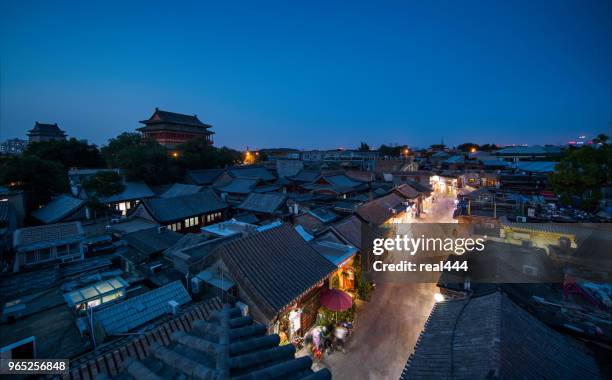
(306, 176)
(407, 191)
(325, 215)
(536, 166)
(179, 189)
(238, 186)
(267, 203)
(275, 267)
(110, 360)
(165, 117)
(492, 337)
(341, 180)
(152, 240)
(165, 210)
(132, 191)
(46, 129)
(337, 253)
(48, 234)
(203, 176)
(251, 171)
(379, 210)
(228, 345)
(60, 207)
(309, 223)
(350, 229)
(529, 150)
(136, 311)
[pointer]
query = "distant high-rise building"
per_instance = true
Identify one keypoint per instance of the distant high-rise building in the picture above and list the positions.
(13, 146)
(46, 132)
(172, 129)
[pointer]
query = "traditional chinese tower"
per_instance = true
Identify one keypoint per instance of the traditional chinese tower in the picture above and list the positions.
(172, 129)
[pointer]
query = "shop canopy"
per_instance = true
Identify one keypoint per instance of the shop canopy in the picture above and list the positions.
(336, 300)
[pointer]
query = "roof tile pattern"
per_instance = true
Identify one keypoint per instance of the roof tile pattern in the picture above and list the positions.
(492, 337)
(275, 267)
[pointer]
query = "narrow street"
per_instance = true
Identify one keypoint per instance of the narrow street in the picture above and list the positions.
(387, 327)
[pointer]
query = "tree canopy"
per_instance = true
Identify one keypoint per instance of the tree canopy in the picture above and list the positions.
(581, 173)
(69, 153)
(363, 147)
(43, 178)
(141, 159)
(104, 184)
(198, 154)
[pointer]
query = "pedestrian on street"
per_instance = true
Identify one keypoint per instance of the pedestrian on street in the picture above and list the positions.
(340, 333)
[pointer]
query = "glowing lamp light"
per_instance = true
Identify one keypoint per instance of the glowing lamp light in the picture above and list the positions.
(473, 150)
(438, 297)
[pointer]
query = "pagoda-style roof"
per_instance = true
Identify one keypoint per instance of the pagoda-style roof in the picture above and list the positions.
(44, 129)
(164, 120)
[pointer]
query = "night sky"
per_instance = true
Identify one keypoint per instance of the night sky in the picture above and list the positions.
(313, 74)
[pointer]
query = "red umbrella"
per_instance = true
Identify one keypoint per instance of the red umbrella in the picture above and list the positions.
(336, 300)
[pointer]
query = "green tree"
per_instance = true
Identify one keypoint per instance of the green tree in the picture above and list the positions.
(467, 147)
(198, 154)
(601, 139)
(363, 147)
(488, 147)
(104, 184)
(581, 173)
(70, 153)
(142, 159)
(41, 178)
(391, 151)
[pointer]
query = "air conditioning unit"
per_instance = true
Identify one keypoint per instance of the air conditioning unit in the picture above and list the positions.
(161, 229)
(244, 308)
(174, 307)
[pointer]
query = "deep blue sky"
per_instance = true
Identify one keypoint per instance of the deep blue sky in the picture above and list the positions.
(312, 74)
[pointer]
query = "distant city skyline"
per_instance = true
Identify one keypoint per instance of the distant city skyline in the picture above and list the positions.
(316, 75)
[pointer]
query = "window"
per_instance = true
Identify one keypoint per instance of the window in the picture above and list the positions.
(30, 257)
(63, 250)
(190, 222)
(74, 248)
(44, 254)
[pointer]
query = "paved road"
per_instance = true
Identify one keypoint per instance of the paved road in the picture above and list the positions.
(388, 326)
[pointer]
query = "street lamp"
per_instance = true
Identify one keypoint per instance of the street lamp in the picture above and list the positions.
(438, 297)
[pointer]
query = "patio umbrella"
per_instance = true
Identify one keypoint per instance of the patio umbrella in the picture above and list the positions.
(336, 300)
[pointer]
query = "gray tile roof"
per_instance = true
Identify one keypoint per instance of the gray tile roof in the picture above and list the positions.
(274, 267)
(46, 129)
(492, 337)
(198, 351)
(152, 240)
(306, 176)
(251, 171)
(133, 312)
(179, 189)
(238, 186)
(341, 180)
(203, 176)
(165, 210)
(48, 235)
(132, 191)
(166, 117)
(350, 229)
(59, 208)
(268, 203)
(379, 210)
